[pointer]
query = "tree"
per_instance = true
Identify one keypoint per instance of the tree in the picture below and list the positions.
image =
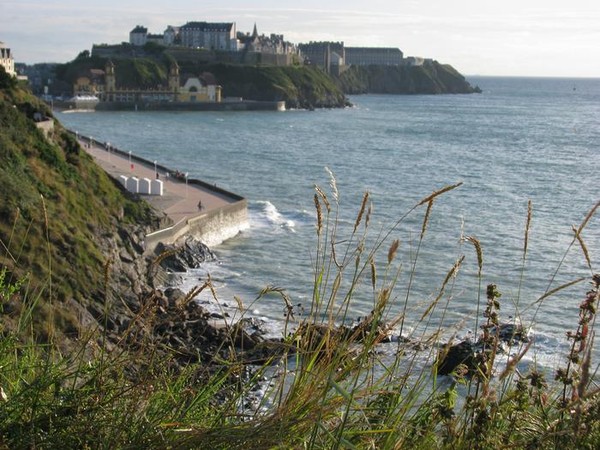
(7, 81)
(83, 55)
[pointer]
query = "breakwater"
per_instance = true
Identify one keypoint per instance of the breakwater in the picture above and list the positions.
(237, 105)
(242, 105)
(193, 207)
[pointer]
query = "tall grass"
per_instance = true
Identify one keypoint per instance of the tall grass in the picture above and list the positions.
(329, 386)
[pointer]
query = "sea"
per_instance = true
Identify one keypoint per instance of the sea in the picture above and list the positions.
(525, 155)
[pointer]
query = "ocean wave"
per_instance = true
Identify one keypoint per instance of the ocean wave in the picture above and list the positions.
(264, 214)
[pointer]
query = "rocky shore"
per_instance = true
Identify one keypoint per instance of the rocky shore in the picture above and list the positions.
(154, 313)
(145, 313)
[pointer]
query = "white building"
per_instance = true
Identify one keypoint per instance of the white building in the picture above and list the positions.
(170, 35)
(211, 36)
(138, 36)
(6, 60)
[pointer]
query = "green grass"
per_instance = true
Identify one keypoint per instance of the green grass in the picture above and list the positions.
(328, 387)
(55, 204)
(332, 389)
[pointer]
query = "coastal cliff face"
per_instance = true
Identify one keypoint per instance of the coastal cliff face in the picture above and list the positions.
(431, 78)
(299, 86)
(74, 271)
(71, 238)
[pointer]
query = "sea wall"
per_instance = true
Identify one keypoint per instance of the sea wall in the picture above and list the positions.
(211, 227)
(244, 105)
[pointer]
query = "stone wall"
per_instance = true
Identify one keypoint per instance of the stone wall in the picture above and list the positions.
(211, 227)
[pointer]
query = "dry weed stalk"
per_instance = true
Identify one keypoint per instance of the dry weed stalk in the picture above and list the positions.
(363, 207)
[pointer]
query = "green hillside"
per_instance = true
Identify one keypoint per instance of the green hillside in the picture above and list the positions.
(162, 373)
(298, 86)
(58, 211)
(434, 78)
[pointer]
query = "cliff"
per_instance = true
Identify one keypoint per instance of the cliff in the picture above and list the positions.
(299, 86)
(74, 273)
(70, 236)
(432, 78)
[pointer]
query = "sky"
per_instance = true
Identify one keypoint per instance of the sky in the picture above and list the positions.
(505, 38)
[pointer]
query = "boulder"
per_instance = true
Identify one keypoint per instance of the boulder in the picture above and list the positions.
(452, 356)
(511, 333)
(190, 255)
(468, 353)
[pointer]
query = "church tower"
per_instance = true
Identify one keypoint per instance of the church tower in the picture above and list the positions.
(110, 81)
(174, 79)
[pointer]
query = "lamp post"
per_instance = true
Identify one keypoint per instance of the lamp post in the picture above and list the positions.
(186, 184)
(155, 171)
(130, 165)
(108, 149)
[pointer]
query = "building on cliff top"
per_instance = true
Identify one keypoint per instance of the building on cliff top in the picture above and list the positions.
(211, 36)
(6, 60)
(220, 38)
(334, 57)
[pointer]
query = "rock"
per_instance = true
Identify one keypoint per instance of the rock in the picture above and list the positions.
(452, 356)
(173, 295)
(364, 328)
(511, 333)
(173, 279)
(188, 256)
(125, 256)
(469, 353)
(265, 351)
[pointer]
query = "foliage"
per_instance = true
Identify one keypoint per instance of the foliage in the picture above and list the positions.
(55, 203)
(140, 73)
(429, 78)
(329, 388)
(299, 86)
(6, 81)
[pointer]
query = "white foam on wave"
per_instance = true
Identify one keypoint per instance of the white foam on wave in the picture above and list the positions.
(266, 215)
(221, 301)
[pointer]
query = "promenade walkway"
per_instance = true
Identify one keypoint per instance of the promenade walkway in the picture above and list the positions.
(180, 198)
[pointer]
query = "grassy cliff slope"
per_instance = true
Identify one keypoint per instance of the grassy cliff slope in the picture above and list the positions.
(434, 78)
(298, 86)
(57, 210)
